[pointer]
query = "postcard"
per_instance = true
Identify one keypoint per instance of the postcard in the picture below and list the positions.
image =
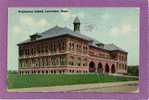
(81, 50)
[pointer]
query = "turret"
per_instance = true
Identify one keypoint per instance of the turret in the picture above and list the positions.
(76, 24)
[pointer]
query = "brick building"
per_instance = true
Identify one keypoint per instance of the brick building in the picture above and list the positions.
(62, 50)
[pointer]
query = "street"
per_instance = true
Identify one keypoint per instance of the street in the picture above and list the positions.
(121, 87)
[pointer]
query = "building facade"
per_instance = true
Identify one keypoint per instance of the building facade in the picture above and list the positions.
(62, 50)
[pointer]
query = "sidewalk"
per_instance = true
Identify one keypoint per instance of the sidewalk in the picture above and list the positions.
(70, 88)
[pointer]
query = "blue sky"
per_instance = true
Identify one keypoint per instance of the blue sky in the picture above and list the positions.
(108, 25)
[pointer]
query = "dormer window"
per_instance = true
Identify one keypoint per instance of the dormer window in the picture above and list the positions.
(100, 45)
(34, 36)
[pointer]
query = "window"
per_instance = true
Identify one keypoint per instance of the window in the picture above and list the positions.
(78, 48)
(42, 49)
(20, 52)
(79, 62)
(53, 60)
(63, 46)
(36, 62)
(73, 46)
(46, 49)
(38, 50)
(25, 52)
(71, 62)
(32, 51)
(57, 61)
(20, 65)
(49, 60)
(85, 62)
(54, 48)
(41, 62)
(49, 46)
(59, 45)
(85, 49)
(119, 66)
(62, 60)
(45, 62)
(125, 67)
(69, 46)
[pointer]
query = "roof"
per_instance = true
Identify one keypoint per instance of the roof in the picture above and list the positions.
(113, 47)
(62, 31)
(56, 32)
(76, 20)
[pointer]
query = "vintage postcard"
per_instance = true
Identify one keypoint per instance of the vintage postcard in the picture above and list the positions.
(73, 49)
(96, 52)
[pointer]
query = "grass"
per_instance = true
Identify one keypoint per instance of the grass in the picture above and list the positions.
(26, 81)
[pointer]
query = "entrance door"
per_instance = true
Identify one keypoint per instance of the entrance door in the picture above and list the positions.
(113, 69)
(92, 67)
(107, 68)
(100, 68)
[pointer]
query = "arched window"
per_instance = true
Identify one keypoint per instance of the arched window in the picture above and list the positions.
(113, 68)
(42, 72)
(107, 68)
(100, 68)
(46, 72)
(60, 71)
(92, 67)
(38, 71)
(54, 71)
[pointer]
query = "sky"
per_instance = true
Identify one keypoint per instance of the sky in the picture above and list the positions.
(119, 26)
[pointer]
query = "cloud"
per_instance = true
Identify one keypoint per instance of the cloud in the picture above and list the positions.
(123, 29)
(27, 20)
(27, 24)
(67, 15)
(89, 27)
(20, 30)
(105, 16)
(81, 15)
(32, 22)
(126, 28)
(114, 31)
(17, 29)
(42, 23)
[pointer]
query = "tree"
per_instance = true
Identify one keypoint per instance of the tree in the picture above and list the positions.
(133, 70)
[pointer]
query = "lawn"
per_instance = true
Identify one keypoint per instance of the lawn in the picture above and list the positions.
(26, 81)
